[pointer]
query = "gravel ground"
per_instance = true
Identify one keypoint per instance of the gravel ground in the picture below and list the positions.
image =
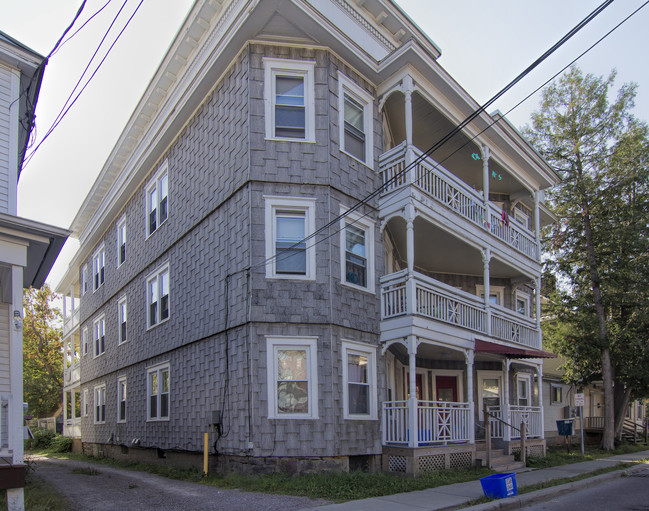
(114, 488)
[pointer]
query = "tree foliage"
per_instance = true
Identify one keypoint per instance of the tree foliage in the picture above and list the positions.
(599, 248)
(42, 352)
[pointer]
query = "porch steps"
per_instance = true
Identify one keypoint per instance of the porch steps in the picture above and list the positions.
(500, 462)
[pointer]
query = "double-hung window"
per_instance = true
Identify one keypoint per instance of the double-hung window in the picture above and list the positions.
(121, 399)
(157, 296)
(121, 320)
(121, 241)
(524, 391)
(98, 260)
(292, 377)
(98, 336)
(289, 99)
(288, 223)
(85, 280)
(359, 377)
(86, 403)
(556, 394)
(357, 250)
(355, 118)
(157, 200)
(158, 393)
(523, 303)
(100, 404)
(84, 340)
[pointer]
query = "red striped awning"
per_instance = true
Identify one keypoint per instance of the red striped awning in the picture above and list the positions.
(509, 351)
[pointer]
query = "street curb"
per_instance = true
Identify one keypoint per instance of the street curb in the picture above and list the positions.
(521, 501)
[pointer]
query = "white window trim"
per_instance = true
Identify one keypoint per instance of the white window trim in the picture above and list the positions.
(357, 348)
(483, 375)
(157, 368)
(122, 224)
(122, 302)
(120, 380)
(528, 379)
(153, 183)
(311, 345)
(459, 374)
(155, 275)
(362, 222)
(84, 280)
(552, 400)
(306, 205)
(84, 340)
(96, 403)
(303, 68)
(85, 407)
(99, 252)
(499, 291)
(347, 86)
(522, 295)
(522, 218)
(99, 319)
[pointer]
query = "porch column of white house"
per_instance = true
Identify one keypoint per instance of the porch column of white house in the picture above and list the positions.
(407, 87)
(65, 407)
(413, 437)
(539, 380)
(537, 290)
(537, 220)
(507, 433)
(486, 258)
(410, 249)
(468, 354)
(486, 154)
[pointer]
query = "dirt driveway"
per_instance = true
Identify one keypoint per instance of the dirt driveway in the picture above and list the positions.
(118, 489)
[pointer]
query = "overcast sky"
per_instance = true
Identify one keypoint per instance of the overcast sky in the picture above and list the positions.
(484, 44)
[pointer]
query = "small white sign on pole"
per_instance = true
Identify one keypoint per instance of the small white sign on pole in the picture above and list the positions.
(580, 399)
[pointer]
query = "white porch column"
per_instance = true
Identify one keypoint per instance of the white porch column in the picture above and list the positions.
(486, 154)
(410, 236)
(539, 379)
(408, 86)
(537, 298)
(468, 354)
(507, 434)
(486, 258)
(538, 195)
(413, 440)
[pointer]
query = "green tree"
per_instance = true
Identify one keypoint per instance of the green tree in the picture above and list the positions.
(599, 247)
(42, 352)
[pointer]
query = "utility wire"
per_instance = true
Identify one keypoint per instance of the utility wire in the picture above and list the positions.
(80, 28)
(62, 116)
(443, 140)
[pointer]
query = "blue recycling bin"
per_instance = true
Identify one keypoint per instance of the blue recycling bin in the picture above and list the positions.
(565, 427)
(499, 486)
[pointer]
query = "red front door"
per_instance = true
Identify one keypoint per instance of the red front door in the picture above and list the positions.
(419, 385)
(446, 388)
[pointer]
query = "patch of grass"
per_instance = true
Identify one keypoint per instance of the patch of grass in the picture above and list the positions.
(557, 455)
(86, 471)
(39, 496)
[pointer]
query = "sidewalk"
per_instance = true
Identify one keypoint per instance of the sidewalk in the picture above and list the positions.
(453, 496)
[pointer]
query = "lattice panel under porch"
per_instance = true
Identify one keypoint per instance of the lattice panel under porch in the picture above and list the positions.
(397, 464)
(430, 463)
(461, 459)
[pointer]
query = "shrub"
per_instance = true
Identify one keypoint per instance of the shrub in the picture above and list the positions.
(42, 439)
(61, 444)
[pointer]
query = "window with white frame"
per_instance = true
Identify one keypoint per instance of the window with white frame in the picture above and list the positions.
(496, 294)
(84, 340)
(157, 296)
(524, 384)
(522, 217)
(99, 343)
(359, 380)
(292, 377)
(355, 120)
(121, 241)
(158, 393)
(556, 394)
(289, 221)
(100, 404)
(357, 250)
(523, 303)
(121, 399)
(86, 403)
(289, 99)
(156, 200)
(98, 260)
(121, 320)
(85, 280)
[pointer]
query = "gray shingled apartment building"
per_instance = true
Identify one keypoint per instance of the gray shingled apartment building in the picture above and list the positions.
(269, 256)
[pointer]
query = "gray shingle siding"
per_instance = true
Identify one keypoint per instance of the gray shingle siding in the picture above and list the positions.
(220, 168)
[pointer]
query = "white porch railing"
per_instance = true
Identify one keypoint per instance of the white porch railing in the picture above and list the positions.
(445, 188)
(71, 321)
(72, 427)
(437, 301)
(4, 422)
(73, 373)
(503, 417)
(438, 422)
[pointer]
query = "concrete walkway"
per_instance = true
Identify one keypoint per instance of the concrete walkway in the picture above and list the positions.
(453, 496)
